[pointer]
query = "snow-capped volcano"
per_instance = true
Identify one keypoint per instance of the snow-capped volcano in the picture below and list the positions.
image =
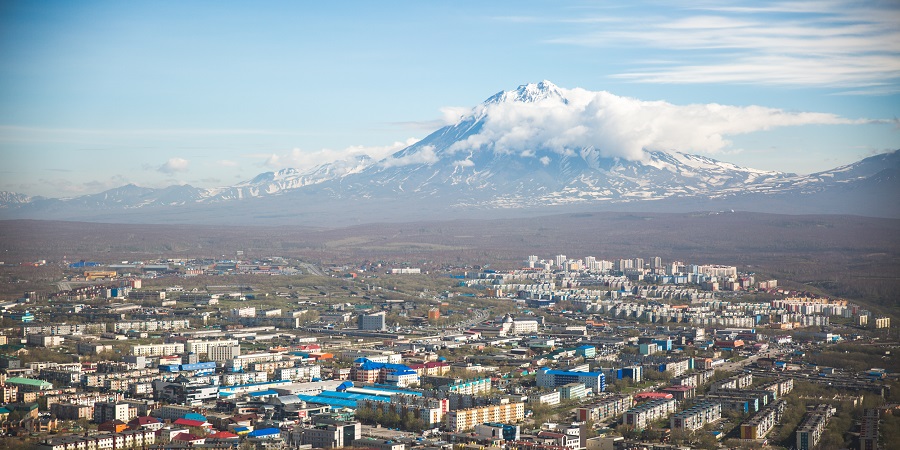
(537, 146)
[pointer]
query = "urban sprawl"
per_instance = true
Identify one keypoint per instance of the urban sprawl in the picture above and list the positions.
(559, 354)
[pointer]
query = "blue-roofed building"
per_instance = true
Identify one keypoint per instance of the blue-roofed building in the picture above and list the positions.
(195, 416)
(368, 371)
(586, 351)
(224, 391)
(330, 401)
(382, 390)
(24, 317)
(393, 389)
(354, 397)
(266, 433)
(262, 395)
(549, 378)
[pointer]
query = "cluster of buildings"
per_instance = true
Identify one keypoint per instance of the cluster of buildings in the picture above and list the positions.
(267, 376)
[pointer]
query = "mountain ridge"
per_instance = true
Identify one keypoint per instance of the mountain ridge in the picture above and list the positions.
(462, 169)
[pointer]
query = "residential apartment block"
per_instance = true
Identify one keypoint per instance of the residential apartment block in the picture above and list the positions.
(758, 426)
(157, 349)
(642, 415)
(466, 419)
(697, 416)
(810, 431)
(608, 408)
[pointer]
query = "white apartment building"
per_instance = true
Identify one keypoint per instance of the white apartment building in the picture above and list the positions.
(222, 353)
(231, 379)
(547, 398)
(106, 411)
(302, 373)
(247, 311)
(201, 347)
(174, 348)
(697, 416)
(644, 414)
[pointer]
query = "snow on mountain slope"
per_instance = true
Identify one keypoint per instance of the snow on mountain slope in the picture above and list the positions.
(274, 183)
(531, 147)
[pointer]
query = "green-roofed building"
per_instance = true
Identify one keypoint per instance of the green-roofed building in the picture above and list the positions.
(28, 384)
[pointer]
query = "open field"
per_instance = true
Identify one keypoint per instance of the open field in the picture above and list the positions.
(851, 256)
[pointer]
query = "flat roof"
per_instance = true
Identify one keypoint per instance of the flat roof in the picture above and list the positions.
(29, 382)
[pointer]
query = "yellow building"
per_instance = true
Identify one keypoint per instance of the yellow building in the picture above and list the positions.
(99, 274)
(466, 419)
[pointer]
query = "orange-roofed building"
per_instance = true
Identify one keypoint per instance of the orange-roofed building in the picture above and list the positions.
(737, 343)
(113, 426)
(645, 396)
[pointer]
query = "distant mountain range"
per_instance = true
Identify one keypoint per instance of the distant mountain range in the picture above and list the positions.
(438, 177)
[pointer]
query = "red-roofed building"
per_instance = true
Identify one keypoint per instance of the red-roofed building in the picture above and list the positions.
(419, 368)
(681, 392)
(222, 435)
(145, 423)
(192, 423)
(188, 437)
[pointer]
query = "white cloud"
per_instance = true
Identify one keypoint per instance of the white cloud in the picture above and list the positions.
(545, 160)
(464, 163)
(304, 159)
(839, 43)
(424, 155)
(174, 165)
(451, 114)
(623, 127)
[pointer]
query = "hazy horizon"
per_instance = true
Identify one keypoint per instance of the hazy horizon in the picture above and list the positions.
(98, 95)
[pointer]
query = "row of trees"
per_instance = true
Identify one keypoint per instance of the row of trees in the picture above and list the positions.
(390, 419)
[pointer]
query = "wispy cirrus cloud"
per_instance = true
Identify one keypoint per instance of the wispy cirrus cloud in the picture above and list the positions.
(836, 44)
(17, 134)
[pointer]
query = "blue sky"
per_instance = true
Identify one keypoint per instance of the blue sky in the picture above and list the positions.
(94, 95)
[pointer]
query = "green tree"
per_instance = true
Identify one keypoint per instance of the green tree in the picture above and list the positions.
(707, 441)
(392, 420)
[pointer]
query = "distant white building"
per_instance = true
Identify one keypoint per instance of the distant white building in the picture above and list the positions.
(374, 322)
(247, 311)
(174, 348)
(223, 352)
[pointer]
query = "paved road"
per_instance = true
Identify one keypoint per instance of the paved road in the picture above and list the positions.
(739, 365)
(313, 270)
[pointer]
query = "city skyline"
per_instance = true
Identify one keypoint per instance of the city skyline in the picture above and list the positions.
(98, 95)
